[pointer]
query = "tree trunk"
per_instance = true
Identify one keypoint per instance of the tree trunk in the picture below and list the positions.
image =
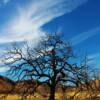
(52, 93)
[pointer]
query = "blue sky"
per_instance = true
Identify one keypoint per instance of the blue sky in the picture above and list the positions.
(77, 21)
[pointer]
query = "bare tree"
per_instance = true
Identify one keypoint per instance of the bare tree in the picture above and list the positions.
(93, 86)
(51, 62)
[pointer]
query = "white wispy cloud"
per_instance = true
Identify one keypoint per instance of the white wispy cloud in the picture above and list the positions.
(85, 35)
(93, 56)
(27, 22)
(5, 1)
(4, 69)
(94, 59)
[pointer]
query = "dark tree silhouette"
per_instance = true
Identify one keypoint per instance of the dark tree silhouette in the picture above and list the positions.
(51, 62)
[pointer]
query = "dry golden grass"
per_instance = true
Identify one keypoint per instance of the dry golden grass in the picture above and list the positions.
(18, 97)
(58, 96)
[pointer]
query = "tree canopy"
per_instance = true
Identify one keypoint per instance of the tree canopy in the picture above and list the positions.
(51, 62)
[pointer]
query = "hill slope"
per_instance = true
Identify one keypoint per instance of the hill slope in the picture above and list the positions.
(27, 86)
(6, 85)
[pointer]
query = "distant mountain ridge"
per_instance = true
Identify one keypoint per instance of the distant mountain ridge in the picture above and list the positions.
(27, 86)
(9, 86)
